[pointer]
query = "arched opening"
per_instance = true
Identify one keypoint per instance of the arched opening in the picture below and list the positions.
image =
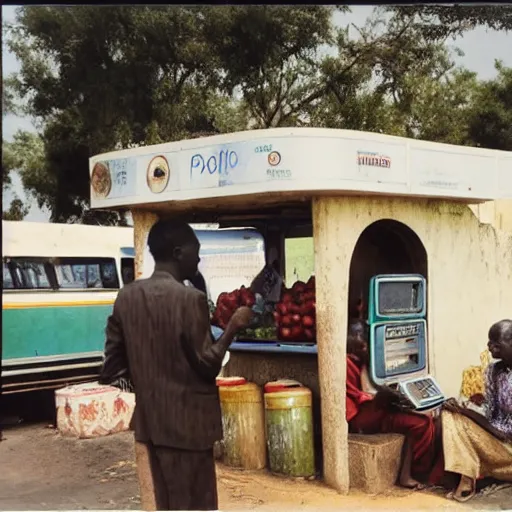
(384, 247)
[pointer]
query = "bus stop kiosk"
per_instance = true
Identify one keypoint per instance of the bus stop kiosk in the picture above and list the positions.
(366, 200)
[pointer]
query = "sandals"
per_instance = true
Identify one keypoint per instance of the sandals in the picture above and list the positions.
(463, 495)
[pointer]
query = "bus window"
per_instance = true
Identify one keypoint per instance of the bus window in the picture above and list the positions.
(92, 276)
(108, 273)
(8, 282)
(71, 276)
(30, 274)
(127, 270)
(86, 273)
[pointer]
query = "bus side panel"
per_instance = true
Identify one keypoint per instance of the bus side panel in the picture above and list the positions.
(29, 330)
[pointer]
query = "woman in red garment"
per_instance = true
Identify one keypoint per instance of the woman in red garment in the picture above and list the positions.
(370, 413)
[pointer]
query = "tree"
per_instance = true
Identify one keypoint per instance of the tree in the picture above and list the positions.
(17, 210)
(270, 55)
(392, 79)
(442, 107)
(443, 21)
(103, 78)
(26, 154)
(490, 122)
(8, 107)
(8, 100)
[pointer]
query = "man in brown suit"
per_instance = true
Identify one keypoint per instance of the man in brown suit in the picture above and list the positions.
(159, 335)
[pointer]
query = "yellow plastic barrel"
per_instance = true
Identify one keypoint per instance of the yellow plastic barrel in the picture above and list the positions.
(243, 422)
(289, 430)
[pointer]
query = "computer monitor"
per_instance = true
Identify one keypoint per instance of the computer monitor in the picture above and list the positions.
(395, 297)
(398, 327)
(397, 350)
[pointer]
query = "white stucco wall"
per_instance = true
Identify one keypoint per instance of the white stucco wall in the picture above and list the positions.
(497, 213)
(469, 277)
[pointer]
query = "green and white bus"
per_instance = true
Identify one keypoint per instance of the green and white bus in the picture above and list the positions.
(59, 284)
(61, 280)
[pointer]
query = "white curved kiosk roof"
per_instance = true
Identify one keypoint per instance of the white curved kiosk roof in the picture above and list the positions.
(284, 164)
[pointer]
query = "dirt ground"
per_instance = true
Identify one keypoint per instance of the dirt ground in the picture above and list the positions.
(40, 470)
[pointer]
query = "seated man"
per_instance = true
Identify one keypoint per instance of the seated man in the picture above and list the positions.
(369, 413)
(477, 446)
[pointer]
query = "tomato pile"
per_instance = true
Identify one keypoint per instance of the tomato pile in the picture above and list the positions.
(228, 303)
(292, 319)
(295, 314)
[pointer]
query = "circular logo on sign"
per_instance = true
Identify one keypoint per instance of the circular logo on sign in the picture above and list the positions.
(158, 174)
(101, 181)
(274, 158)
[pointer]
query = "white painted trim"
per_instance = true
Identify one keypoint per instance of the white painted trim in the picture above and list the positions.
(50, 359)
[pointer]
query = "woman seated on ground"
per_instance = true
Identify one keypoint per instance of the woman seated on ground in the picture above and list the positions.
(378, 413)
(477, 446)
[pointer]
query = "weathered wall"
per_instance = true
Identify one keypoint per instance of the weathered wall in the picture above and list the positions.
(469, 275)
(496, 213)
(470, 280)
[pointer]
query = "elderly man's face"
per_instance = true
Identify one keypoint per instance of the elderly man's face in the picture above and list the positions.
(500, 348)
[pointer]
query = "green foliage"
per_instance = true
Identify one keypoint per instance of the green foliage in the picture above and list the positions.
(442, 21)
(8, 100)
(17, 210)
(490, 123)
(100, 78)
(26, 154)
(103, 78)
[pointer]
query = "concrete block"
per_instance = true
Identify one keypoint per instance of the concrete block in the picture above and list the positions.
(374, 461)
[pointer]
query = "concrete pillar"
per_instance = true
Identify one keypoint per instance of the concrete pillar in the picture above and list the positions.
(332, 262)
(142, 223)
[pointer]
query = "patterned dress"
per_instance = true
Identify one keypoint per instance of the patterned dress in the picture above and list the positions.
(470, 450)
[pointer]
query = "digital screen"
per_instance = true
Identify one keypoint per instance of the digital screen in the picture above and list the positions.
(399, 298)
(401, 348)
(397, 348)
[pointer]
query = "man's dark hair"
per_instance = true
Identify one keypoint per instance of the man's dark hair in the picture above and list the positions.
(501, 330)
(166, 235)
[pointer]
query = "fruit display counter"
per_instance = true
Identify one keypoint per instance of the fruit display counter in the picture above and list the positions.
(288, 324)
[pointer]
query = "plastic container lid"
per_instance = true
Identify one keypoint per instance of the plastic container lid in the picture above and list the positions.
(289, 398)
(230, 381)
(247, 393)
(281, 385)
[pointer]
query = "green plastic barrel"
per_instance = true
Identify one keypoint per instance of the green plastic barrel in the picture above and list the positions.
(289, 431)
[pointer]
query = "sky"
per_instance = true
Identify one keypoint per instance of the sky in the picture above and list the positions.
(481, 48)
